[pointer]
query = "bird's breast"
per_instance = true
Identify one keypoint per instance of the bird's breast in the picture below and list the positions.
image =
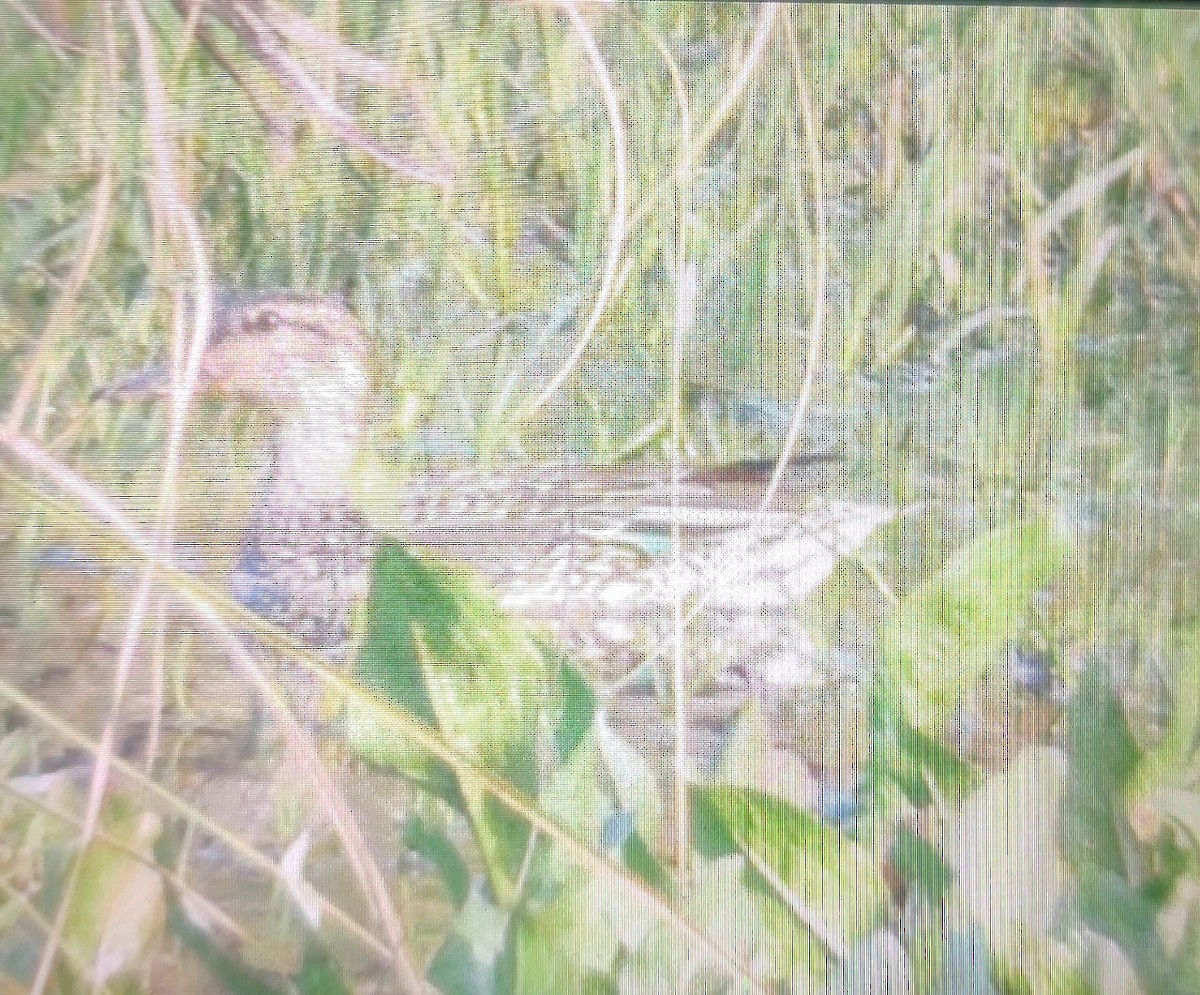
(305, 565)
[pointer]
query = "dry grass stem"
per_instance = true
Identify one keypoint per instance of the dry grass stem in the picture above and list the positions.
(300, 86)
(716, 120)
(815, 337)
(66, 305)
(173, 802)
(179, 216)
(618, 225)
(816, 327)
(803, 913)
(183, 888)
(350, 61)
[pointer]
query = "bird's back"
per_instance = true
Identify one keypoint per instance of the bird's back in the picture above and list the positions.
(599, 557)
(586, 554)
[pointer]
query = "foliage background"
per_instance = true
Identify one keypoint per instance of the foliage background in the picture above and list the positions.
(989, 271)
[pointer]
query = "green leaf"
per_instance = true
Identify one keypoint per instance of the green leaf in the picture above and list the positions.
(1104, 760)
(318, 974)
(822, 869)
(568, 944)
(920, 864)
(1114, 909)
(468, 962)
(578, 710)
(457, 969)
(574, 797)
(1118, 897)
(439, 646)
(637, 856)
(923, 763)
(118, 908)
(403, 590)
(946, 632)
(1169, 765)
(226, 969)
(435, 846)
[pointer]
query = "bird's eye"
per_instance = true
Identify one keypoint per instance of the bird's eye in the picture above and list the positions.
(266, 321)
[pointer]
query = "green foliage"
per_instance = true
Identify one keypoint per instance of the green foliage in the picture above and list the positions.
(433, 845)
(436, 645)
(226, 969)
(439, 646)
(921, 865)
(118, 906)
(1123, 883)
(924, 769)
(946, 632)
(318, 974)
(567, 944)
(468, 960)
(820, 867)
(29, 89)
(578, 710)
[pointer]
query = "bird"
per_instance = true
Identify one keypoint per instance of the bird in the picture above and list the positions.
(592, 557)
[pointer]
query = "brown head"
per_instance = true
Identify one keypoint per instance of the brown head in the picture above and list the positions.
(282, 347)
(302, 358)
(276, 348)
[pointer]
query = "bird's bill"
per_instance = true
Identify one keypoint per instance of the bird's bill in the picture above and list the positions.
(151, 382)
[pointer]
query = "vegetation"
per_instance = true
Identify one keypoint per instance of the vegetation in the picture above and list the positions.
(958, 242)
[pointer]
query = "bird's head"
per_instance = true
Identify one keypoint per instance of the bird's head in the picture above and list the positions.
(302, 359)
(278, 349)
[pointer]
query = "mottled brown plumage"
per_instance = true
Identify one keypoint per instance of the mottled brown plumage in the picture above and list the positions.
(584, 553)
